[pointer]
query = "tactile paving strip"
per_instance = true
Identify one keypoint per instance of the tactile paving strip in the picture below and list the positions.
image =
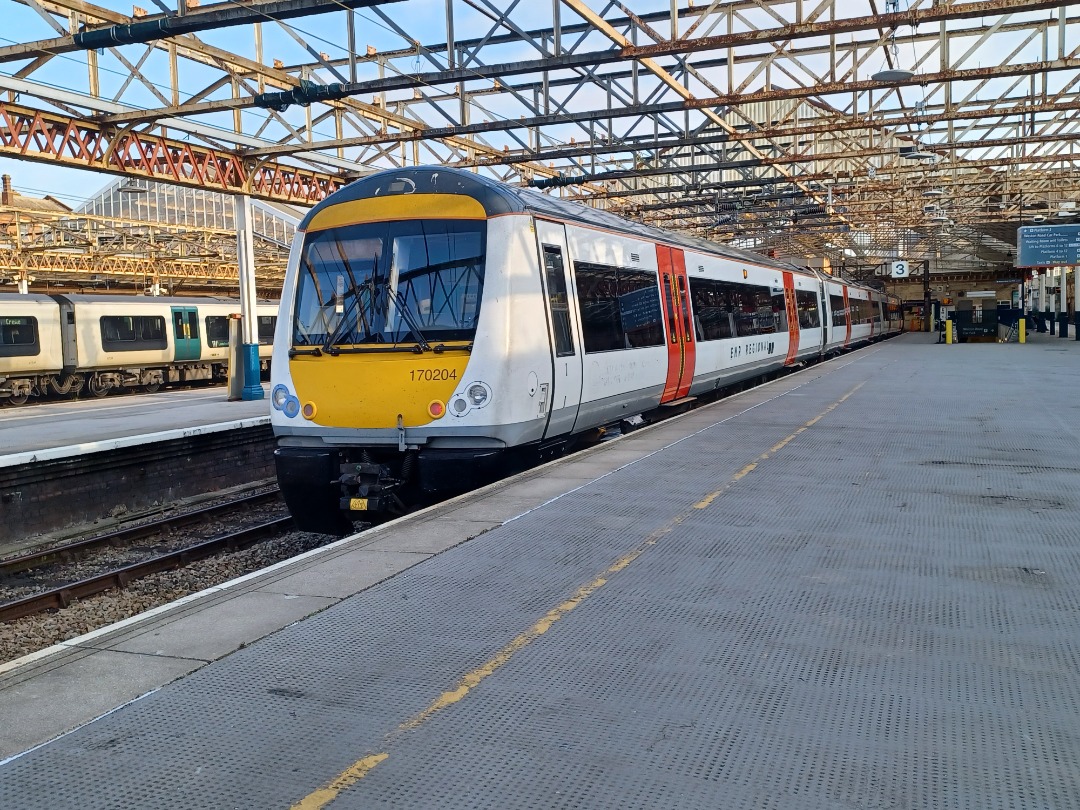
(883, 614)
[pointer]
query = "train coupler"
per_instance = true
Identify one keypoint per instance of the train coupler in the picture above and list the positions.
(369, 488)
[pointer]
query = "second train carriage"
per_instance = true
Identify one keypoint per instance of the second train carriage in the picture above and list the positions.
(434, 322)
(67, 344)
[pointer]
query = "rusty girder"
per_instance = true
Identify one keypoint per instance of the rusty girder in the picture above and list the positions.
(53, 138)
(85, 265)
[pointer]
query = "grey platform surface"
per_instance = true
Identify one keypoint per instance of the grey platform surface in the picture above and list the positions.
(85, 424)
(858, 587)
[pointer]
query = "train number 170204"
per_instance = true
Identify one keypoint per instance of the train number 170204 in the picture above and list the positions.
(432, 374)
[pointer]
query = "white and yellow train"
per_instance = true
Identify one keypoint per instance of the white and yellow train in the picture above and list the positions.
(65, 345)
(434, 324)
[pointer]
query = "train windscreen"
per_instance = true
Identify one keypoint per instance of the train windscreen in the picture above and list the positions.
(412, 281)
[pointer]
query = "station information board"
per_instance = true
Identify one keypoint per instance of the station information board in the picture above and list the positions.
(1048, 246)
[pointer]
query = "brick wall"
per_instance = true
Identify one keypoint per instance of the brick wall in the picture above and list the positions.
(47, 496)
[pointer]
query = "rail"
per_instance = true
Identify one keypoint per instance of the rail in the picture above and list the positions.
(63, 596)
(128, 535)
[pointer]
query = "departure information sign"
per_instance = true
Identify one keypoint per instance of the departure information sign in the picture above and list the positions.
(1048, 246)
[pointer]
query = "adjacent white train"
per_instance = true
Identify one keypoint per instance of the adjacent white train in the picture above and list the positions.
(63, 345)
(434, 324)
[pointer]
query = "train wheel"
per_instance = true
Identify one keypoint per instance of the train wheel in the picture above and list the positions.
(97, 387)
(152, 388)
(18, 399)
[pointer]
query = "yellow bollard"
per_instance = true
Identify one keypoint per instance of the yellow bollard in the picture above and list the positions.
(1022, 331)
(948, 331)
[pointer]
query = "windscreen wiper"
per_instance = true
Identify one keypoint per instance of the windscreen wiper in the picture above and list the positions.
(407, 316)
(339, 331)
(330, 346)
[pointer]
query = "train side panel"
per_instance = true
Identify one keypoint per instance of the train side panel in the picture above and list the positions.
(735, 339)
(860, 311)
(112, 334)
(619, 378)
(29, 335)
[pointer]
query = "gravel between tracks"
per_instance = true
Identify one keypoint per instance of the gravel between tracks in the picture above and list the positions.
(34, 633)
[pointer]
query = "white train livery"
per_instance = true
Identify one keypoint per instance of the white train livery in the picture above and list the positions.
(436, 325)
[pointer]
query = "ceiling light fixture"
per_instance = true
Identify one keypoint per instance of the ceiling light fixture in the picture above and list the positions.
(916, 152)
(893, 74)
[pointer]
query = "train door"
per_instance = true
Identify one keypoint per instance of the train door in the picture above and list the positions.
(186, 342)
(675, 291)
(793, 324)
(826, 314)
(564, 395)
(847, 316)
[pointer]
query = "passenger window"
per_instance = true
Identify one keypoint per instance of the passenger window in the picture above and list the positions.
(267, 325)
(684, 304)
(132, 333)
(620, 307)
(555, 274)
(19, 337)
(807, 304)
(217, 331)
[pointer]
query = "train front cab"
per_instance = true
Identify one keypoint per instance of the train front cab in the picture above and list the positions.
(375, 338)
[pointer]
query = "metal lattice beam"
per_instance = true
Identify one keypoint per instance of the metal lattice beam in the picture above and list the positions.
(648, 108)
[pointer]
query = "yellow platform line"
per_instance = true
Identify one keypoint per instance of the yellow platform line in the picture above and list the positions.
(472, 679)
(350, 776)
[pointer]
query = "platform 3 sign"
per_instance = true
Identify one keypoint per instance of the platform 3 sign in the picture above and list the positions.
(1048, 246)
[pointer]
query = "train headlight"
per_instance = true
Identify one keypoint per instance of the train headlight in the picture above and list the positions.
(478, 394)
(309, 410)
(292, 407)
(279, 397)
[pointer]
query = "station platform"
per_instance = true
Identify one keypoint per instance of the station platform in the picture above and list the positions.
(854, 587)
(54, 430)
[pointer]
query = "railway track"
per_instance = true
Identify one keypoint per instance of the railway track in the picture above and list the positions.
(64, 595)
(129, 535)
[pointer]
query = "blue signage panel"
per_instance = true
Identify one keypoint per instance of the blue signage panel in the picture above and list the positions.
(1048, 246)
